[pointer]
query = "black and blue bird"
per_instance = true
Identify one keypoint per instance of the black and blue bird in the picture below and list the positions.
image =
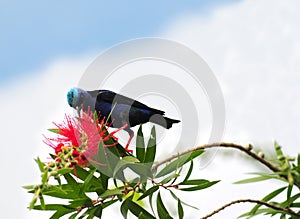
(121, 110)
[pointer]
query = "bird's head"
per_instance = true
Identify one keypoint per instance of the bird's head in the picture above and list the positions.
(75, 97)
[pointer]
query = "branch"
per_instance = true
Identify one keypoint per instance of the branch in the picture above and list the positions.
(225, 145)
(275, 207)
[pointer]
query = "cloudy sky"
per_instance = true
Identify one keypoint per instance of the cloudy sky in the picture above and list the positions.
(252, 46)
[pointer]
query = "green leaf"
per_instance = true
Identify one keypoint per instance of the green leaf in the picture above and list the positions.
(180, 161)
(72, 183)
(125, 206)
(29, 187)
(111, 192)
(266, 199)
(83, 202)
(83, 174)
(295, 205)
(111, 111)
(140, 145)
(45, 177)
(142, 169)
(40, 164)
(151, 147)
(61, 210)
(87, 182)
(102, 159)
(142, 216)
(54, 130)
(180, 210)
(98, 211)
(134, 164)
(189, 171)
(131, 159)
(288, 202)
(64, 192)
(169, 178)
(108, 203)
(73, 216)
(161, 209)
(176, 198)
(104, 181)
(51, 207)
(60, 213)
(199, 187)
(64, 171)
(193, 182)
(289, 191)
(42, 201)
(92, 212)
(254, 179)
(148, 192)
(150, 202)
(136, 209)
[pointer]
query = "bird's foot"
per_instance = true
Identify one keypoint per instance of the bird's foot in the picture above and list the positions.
(126, 148)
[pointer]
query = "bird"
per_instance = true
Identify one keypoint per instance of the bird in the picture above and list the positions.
(119, 110)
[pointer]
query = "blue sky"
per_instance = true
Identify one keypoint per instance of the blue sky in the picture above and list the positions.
(34, 33)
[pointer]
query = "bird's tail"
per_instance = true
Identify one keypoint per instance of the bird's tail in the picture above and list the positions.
(163, 121)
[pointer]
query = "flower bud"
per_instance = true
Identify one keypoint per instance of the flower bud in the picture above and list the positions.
(249, 147)
(261, 155)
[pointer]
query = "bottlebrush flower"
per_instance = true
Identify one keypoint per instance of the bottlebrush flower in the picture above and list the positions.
(77, 140)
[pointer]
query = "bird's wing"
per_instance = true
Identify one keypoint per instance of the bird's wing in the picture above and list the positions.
(110, 96)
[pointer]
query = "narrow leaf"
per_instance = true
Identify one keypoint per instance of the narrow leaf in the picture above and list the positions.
(169, 178)
(189, 171)
(45, 177)
(108, 203)
(72, 182)
(54, 130)
(266, 199)
(151, 147)
(87, 182)
(137, 209)
(111, 192)
(194, 182)
(148, 192)
(180, 210)
(289, 192)
(161, 209)
(176, 198)
(73, 216)
(254, 179)
(140, 145)
(199, 187)
(40, 164)
(42, 201)
(64, 171)
(180, 161)
(124, 209)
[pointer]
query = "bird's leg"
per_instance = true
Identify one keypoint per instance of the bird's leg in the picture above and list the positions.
(131, 134)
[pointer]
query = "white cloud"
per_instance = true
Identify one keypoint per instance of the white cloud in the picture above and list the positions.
(252, 46)
(254, 49)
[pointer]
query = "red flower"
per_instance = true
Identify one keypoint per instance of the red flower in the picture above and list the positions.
(77, 140)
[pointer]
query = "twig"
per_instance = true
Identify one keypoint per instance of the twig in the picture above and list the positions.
(225, 145)
(286, 210)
